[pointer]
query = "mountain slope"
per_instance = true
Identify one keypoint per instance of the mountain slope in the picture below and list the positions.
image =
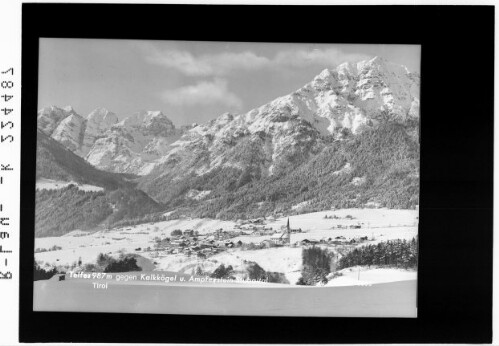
(349, 138)
(125, 146)
(54, 161)
(354, 103)
(49, 118)
(378, 168)
(59, 211)
(129, 145)
(64, 210)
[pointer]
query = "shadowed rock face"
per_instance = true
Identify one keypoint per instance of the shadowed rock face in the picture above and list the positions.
(48, 118)
(156, 124)
(70, 132)
(129, 145)
(98, 122)
(107, 143)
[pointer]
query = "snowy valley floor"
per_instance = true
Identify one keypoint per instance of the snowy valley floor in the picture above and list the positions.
(352, 292)
(377, 224)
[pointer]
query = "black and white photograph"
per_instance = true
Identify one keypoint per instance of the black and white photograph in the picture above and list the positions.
(169, 166)
(239, 172)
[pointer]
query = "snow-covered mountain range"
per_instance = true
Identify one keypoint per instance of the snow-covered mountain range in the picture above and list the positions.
(348, 138)
(109, 144)
(335, 104)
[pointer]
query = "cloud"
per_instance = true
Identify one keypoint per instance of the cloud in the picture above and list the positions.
(324, 57)
(223, 63)
(203, 93)
(208, 64)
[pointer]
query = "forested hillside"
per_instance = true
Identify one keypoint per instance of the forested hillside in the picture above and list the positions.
(61, 211)
(54, 161)
(379, 167)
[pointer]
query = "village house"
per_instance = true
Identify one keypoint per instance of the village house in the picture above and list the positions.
(178, 242)
(260, 221)
(306, 242)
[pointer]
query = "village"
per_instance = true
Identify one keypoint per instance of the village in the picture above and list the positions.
(276, 244)
(190, 242)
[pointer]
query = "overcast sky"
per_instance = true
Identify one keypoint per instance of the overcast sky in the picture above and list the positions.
(188, 81)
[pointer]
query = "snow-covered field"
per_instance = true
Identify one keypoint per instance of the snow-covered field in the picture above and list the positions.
(285, 260)
(371, 217)
(49, 184)
(380, 224)
(379, 234)
(364, 276)
(392, 299)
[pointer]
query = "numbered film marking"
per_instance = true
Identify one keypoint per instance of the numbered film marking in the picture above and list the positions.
(8, 90)
(6, 275)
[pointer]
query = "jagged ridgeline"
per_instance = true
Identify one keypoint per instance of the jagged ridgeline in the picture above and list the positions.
(111, 199)
(349, 138)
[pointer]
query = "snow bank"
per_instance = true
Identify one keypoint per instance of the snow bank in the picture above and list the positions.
(49, 184)
(363, 276)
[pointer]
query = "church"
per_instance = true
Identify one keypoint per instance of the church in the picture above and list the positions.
(283, 238)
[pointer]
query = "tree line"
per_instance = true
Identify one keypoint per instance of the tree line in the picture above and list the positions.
(392, 253)
(316, 265)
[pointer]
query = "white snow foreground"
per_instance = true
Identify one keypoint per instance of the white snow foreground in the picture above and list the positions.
(376, 224)
(365, 276)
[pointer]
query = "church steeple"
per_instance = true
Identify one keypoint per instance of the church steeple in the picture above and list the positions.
(288, 233)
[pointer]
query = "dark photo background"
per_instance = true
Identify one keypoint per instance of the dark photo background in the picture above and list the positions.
(457, 69)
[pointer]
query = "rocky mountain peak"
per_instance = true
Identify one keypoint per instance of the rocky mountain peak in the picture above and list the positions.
(378, 60)
(70, 132)
(149, 122)
(99, 121)
(69, 109)
(325, 74)
(102, 114)
(337, 103)
(48, 118)
(155, 123)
